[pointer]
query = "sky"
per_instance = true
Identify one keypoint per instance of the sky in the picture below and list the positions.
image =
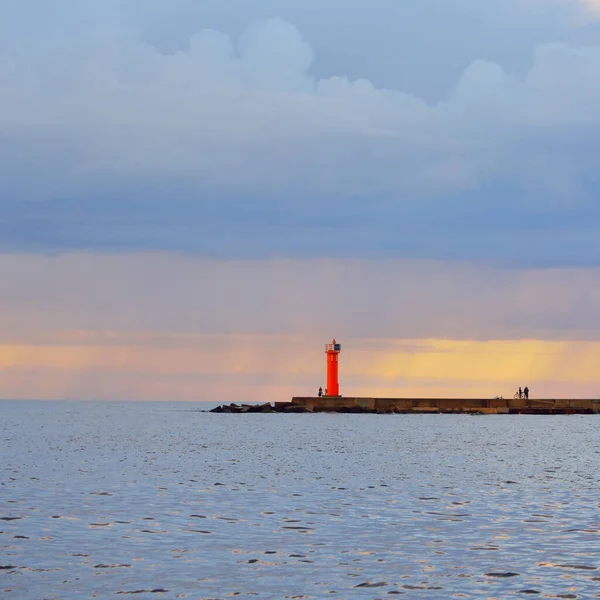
(196, 196)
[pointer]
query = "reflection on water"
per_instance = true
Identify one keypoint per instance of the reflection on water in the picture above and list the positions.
(159, 501)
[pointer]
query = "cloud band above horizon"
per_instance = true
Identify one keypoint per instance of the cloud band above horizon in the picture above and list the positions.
(157, 326)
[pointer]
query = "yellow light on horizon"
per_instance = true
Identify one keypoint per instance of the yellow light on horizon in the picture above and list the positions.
(183, 367)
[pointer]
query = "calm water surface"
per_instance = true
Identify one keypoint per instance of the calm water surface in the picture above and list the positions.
(158, 501)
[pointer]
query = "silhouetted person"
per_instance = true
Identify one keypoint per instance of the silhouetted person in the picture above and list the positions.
(320, 392)
(326, 391)
(526, 392)
(520, 393)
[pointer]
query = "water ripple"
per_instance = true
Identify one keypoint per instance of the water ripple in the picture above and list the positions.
(146, 500)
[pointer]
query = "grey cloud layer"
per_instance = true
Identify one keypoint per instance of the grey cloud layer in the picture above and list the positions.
(165, 294)
(234, 146)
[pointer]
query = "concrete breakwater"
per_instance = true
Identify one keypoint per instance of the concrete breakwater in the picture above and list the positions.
(339, 404)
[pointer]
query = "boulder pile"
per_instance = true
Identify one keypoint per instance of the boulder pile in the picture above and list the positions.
(258, 408)
(295, 408)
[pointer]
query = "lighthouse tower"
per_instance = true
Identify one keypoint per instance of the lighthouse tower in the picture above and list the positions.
(332, 351)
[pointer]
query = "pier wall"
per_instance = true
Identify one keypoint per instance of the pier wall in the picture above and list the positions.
(447, 405)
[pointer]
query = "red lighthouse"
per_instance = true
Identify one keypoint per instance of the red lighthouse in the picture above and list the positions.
(332, 351)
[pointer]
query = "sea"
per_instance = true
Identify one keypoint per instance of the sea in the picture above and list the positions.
(164, 500)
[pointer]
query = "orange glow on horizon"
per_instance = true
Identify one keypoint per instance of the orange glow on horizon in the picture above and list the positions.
(253, 367)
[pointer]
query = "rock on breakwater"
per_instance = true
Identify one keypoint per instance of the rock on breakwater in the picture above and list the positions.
(278, 407)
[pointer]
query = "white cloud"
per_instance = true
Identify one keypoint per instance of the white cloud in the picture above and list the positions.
(239, 128)
(246, 114)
